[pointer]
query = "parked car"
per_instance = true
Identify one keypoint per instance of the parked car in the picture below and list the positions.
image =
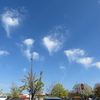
(3, 97)
(51, 98)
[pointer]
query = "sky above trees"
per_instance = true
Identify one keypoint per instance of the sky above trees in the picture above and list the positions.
(62, 37)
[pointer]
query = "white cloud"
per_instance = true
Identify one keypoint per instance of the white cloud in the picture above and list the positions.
(36, 56)
(99, 1)
(78, 56)
(97, 64)
(4, 53)
(24, 69)
(62, 67)
(86, 61)
(73, 54)
(28, 42)
(52, 45)
(26, 50)
(11, 18)
(54, 42)
(27, 53)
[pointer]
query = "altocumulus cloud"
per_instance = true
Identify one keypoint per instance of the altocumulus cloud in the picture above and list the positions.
(11, 18)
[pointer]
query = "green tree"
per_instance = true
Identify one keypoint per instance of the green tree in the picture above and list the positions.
(15, 90)
(59, 91)
(96, 90)
(33, 84)
(1, 91)
(9, 96)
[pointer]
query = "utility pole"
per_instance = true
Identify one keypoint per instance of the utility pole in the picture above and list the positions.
(31, 70)
(31, 79)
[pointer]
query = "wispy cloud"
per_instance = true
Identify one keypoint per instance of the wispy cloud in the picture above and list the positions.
(55, 41)
(36, 56)
(74, 54)
(79, 56)
(24, 69)
(29, 43)
(4, 52)
(97, 64)
(28, 53)
(99, 1)
(86, 61)
(11, 18)
(51, 44)
(26, 48)
(62, 67)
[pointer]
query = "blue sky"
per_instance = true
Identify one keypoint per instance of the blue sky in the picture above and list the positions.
(62, 37)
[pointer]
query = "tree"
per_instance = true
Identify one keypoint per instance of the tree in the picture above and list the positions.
(49, 89)
(96, 85)
(32, 84)
(9, 96)
(96, 90)
(87, 91)
(15, 90)
(71, 94)
(59, 91)
(1, 91)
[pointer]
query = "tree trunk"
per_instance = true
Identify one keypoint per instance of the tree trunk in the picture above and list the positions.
(32, 98)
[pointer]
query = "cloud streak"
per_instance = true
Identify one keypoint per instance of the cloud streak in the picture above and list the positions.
(11, 18)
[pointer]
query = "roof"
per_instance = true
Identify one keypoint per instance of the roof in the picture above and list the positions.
(77, 97)
(40, 94)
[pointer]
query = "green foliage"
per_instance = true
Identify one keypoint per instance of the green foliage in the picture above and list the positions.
(15, 90)
(9, 96)
(33, 84)
(59, 91)
(97, 91)
(1, 91)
